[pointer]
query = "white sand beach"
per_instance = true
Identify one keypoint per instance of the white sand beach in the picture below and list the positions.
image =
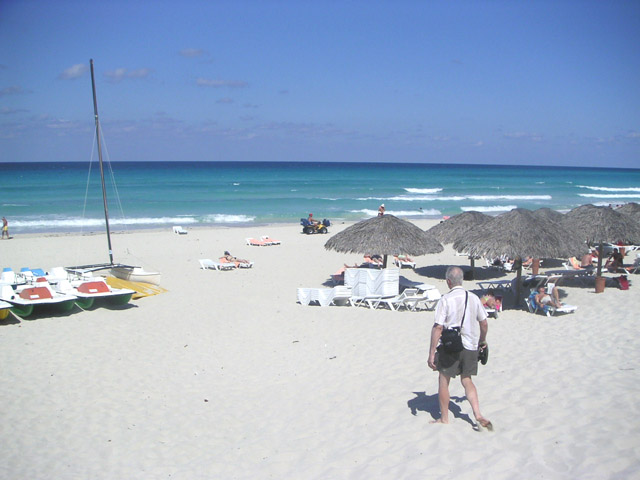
(227, 376)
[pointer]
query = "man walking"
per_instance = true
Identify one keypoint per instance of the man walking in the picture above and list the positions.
(455, 308)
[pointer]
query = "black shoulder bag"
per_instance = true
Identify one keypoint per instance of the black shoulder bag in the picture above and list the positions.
(451, 339)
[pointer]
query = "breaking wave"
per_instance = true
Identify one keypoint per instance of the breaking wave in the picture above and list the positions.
(493, 208)
(610, 189)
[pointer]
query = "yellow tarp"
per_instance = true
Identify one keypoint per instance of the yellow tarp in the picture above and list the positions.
(142, 289)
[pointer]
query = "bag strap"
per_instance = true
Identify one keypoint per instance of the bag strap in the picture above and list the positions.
(464, 312)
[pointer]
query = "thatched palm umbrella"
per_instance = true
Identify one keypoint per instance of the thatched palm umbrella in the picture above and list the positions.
(458, 227)
(632, 209)
(597, 225)
(385, 235)
(519, 233)
(548, 214)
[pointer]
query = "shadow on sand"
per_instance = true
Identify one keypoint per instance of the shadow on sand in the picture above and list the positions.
(429, 403)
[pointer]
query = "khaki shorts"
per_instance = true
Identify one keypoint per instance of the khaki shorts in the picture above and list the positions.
(463, 363)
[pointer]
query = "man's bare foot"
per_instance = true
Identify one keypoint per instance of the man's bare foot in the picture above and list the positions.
(440, 420)
(483, 422)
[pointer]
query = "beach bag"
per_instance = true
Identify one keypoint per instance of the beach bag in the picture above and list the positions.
(623, 282)
(451, 339)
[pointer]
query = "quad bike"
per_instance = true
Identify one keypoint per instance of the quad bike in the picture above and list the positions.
(309, 228)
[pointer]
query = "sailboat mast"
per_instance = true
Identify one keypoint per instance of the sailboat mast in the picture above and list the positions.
(104, 190)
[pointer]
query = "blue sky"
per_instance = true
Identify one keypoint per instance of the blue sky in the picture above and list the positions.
(546, 82)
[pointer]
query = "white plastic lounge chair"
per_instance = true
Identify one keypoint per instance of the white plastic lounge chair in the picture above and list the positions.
(403, 262)
(428, 300)
(547, 310)
(371, 301)
(404, 282)
(397, 302)
(208, 264)
(495, 284)
(411, 302)
(269, 240)
(179, 230)
(224, 261)
(340, 295)
(254, 242)
(635, 268)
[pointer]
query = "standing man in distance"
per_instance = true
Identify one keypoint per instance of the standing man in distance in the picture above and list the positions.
(449, 313)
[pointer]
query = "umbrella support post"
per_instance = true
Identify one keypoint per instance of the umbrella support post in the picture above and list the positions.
(516, 302)
(473, 268)
(600, 280)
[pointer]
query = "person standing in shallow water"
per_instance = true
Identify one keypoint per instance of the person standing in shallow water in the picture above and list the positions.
(381, 210)
(451, 309)
(5, 228)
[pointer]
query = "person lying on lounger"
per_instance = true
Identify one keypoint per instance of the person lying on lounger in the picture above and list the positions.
(231, 258)
(587, 260)
(490, 301)
(543, 298)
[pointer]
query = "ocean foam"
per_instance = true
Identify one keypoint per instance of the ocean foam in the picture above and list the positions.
(509, 197)
(423, 190)
(494, 208)
(222, 218)
(610, 195)
(400, 213)
(99, 222)
(610, 189)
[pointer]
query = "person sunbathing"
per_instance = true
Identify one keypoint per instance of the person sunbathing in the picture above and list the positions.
(587, 260)
(490, 301)
(375, 260)
(230, 258)
(543, 298)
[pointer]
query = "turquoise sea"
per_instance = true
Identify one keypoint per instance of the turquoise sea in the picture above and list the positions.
(61, 197)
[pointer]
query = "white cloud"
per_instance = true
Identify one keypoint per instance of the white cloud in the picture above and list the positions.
(76, 71)
(120, 74)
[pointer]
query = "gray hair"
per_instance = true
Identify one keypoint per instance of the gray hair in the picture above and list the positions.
(455, 276)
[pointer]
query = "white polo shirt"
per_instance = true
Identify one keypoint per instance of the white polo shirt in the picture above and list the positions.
(449, 314)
